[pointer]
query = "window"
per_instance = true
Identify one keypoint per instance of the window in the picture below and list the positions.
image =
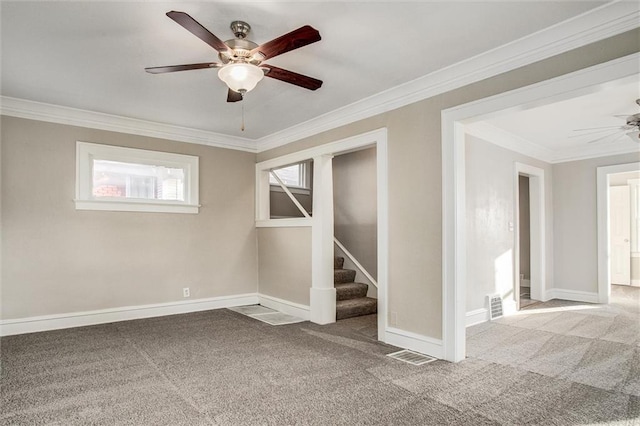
(294, 176)
(126, 179)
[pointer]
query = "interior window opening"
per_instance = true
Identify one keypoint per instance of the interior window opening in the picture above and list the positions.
(298, 180)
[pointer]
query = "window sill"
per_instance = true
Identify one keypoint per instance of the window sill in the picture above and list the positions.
(133, 206)
(285, 223)
(292, 189)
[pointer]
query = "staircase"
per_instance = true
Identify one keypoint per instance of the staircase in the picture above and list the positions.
(351, 297)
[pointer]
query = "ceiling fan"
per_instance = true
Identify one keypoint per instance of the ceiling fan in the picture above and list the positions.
(631, 128)
(241, 66)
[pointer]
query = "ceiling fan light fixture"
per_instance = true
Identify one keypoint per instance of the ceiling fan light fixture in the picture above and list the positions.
(241, 77)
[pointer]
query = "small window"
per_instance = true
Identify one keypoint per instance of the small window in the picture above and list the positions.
(294, 176)
(127, 179)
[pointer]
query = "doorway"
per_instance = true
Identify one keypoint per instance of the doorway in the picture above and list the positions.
(618, 258)
(530, 270)
(523, 290)
(618, 227)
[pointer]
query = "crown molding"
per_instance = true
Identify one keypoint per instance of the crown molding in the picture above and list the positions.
(505, 139)
(605, 21)
(32, 110)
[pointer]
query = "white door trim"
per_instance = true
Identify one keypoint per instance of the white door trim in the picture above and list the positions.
(604, 249)
(377, 138)
(537, 231)
(453, 176)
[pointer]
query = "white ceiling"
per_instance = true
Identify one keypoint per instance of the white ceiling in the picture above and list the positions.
(92, 55)
(582, 126)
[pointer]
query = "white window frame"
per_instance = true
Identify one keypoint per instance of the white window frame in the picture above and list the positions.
(85, 154)
(305, 178)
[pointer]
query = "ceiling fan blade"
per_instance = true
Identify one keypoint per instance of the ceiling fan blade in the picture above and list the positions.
(607, 136)
(233, 96)
(199, 31)
(596, 128)
(186, 67)
(292, 77)
(290, 41)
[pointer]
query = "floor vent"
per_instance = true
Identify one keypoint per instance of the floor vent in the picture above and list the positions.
(412, 357)
(495, 306)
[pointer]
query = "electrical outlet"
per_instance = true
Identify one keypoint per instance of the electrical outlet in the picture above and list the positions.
(185, 292)
(394, 318)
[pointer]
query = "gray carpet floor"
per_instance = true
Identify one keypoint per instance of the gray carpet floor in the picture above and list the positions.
(558, 363)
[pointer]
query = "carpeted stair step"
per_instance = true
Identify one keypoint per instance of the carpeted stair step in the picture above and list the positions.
(347, 291)
(338, 262)
(343, 276)
(356, 307)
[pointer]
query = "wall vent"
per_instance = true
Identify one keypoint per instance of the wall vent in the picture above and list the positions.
(495, 306)
(411, 357)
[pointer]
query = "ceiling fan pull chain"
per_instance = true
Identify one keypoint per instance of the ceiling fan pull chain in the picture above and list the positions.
(242, 128)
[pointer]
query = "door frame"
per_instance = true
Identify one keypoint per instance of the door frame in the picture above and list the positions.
(537, 232)
(604, 245)
(322, 308)
(454, 268)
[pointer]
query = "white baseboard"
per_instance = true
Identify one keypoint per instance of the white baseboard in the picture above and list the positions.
(415, 342)
(573, 295)
(509, 307)
(635, 283)
(78, 319)
(291, 308)
(477, 316)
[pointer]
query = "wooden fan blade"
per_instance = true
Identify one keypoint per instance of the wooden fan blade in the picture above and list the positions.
(186, 67)
(233, 96)
(290, 41)
(199, 31)
(292, 77)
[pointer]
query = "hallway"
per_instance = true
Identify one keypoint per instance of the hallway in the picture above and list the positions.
(585, 354)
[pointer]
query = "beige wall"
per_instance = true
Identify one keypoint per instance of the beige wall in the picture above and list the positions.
(575, 219)
(61, 260)
(355, 206)
(415, 186)
(490, 202)
(285, 263)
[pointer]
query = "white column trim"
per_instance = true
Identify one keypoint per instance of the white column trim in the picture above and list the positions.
(322, 293)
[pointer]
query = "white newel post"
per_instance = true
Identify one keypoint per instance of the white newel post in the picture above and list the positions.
(323, 294)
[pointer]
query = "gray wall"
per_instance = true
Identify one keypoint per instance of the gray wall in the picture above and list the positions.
(525, 237)
(59, 260)
(575, 218)
(355, 206)
(285, 263)
(415, 170)
(490, 202)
